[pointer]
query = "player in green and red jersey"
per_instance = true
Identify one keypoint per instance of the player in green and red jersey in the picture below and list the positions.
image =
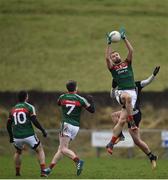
(21, 132)
(71, 105)
(122, 73)
(137, 116)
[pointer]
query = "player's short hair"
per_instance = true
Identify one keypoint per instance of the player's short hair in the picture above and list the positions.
(71, 85)
(22, 95)
(114, 52)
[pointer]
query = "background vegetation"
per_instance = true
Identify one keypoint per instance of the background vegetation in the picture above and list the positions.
(46, 42)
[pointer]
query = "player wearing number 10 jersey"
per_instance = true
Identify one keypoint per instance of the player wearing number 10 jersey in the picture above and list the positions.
(71, 105)
(21, 132)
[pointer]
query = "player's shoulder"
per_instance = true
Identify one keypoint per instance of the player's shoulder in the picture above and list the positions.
(62, 96)
(29, 106)
(82, 99)
(79, 97)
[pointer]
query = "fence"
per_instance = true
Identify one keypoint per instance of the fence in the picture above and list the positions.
(157, 139)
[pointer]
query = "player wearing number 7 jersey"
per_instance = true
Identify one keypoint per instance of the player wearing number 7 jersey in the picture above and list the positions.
(71, 105)
(21, 132)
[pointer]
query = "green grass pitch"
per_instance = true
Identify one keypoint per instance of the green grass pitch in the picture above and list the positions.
(95, 168)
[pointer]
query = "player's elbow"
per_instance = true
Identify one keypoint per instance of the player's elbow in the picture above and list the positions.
(91, 109)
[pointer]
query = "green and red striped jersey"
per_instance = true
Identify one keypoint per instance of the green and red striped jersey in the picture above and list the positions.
(20, 117)
(123, 74)
(71, 106)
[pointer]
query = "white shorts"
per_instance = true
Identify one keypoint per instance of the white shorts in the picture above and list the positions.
(69, 130)
(32, 141)
(131, 92)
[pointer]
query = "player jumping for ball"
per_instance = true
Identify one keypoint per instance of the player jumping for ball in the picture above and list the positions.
(122, 73)
(71, 105)
(137, 117)
(21, 132)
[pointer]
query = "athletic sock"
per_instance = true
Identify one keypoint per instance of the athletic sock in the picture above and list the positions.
(150, 156)
(52, 165)
(113, 139)
(42, 166)
(76, 159)
(130, 117)
(18, 171)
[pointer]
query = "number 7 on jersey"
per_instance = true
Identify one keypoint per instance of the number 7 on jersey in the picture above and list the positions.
(72, 106)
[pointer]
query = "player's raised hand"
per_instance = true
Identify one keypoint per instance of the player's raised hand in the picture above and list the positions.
(44, 133)
(108, 38)
(156, 70)
(122, 33)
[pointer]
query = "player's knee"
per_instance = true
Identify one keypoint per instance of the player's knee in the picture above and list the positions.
(122, 121)
(18, 152)
(137, 141)
(63, 150)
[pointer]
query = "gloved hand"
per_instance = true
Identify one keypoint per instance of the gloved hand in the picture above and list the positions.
(108, 38)
(122, 33)
(44, 133)
(90, 98)
(156, 70)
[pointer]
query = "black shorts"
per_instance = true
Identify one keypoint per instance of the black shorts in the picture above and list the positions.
(137, 119)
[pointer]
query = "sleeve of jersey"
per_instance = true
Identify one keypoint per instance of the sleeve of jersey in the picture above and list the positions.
(59, 100)
(147, 81)
(9, 127)
(89, 106)
(33, 111)
(85, 103)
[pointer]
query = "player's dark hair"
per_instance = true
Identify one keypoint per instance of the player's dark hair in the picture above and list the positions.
(22, 95)
(113, 52)
(71, 85)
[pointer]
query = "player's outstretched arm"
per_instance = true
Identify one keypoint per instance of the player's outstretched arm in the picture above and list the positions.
(127, 43)
(9, 130)
(38, 125)
(151, 77)
(108, 51)
(90, 108)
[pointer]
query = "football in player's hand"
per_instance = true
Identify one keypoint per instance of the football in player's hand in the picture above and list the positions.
(115, 36)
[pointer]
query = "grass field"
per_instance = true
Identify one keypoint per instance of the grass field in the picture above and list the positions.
(102, 168)
(46, 42)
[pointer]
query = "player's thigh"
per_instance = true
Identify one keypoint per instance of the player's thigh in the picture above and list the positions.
(124, 95)
(64, 141)
(135, 134)
(69, 130)
(19, 143)
(32, 141)
(123, 115)
(115, 116)
(130, 95)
